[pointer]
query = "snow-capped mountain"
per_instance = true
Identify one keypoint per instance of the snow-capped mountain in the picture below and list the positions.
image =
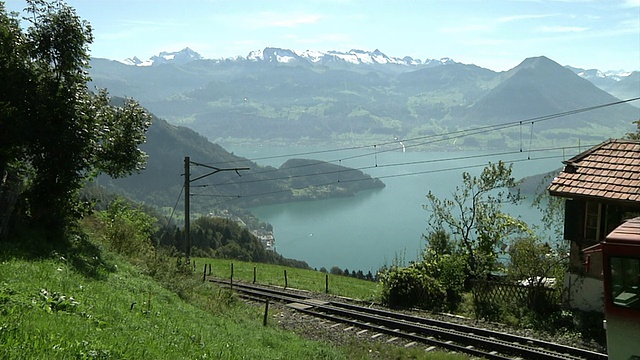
(354, 56)
(286, 56)
(178, 57)
(274, 55)
(617, 82)
(376, 58)
(595, 75)
(135, 61)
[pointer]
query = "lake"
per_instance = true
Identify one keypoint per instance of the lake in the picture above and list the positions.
(369, 230)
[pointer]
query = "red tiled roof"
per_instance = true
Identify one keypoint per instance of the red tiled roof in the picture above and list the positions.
(628, 232)
(608, 171)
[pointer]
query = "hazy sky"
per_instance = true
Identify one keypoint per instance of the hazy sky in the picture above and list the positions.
(496, 34)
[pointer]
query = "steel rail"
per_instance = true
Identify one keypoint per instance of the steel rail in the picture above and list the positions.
(439, 333)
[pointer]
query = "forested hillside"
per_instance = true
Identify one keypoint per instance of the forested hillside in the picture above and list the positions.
(162, 179)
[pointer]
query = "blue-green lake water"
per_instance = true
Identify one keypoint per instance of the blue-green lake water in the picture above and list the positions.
(369, 230)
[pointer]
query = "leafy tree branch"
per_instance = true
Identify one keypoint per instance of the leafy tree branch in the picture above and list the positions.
(55, 133)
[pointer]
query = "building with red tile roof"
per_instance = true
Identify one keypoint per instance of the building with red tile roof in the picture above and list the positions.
(609, 171)
(602, 188)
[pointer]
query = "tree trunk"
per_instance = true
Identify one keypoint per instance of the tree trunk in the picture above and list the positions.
(10, 189)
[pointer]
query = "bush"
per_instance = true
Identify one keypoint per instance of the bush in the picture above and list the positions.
(449, 270)
(127, 231)
(490, 311)
(411, 287)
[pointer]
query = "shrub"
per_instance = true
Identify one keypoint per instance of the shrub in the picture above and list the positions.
(127, 231)
(411, 287)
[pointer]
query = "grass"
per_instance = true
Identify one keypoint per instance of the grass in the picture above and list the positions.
(296, 278)
(84, 302)
(49, 311)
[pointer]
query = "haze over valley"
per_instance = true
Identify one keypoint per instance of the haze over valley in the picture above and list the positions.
(359, 97)
(358, 112)
(454, 158)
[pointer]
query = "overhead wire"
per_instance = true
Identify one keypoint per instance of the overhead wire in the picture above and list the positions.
(461, 133)
(416, 172)
(176, 205)
(431, 171)
(444, 136)
(407, 163)
(433, 138)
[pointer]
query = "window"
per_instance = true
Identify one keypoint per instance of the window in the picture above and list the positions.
(625, 282)
(592, 222)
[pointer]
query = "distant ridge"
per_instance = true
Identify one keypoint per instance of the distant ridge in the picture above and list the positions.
(177, 57)
(538, 87)
(286, 56)
(285, 97)
(160, 182)
(274, 55)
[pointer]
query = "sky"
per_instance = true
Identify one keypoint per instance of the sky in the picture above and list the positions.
(494, 34)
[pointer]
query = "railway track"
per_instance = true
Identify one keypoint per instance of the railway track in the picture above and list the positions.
(454, 337)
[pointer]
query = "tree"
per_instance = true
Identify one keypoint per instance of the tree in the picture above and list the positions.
(442, 261)
(54, 133)
(474, 220)
(127, 230)
(534, 261)
(541, 269)
(635, 135)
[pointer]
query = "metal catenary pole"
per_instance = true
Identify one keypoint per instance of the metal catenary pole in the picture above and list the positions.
(187, 190)
(187, 198)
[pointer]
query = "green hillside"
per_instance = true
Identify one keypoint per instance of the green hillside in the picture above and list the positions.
(161, 181)
(245, 101)
(84, 301)
(50, 310)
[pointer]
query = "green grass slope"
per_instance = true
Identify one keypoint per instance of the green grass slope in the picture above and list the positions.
(302, 279)
(81, 301)
(48, 310)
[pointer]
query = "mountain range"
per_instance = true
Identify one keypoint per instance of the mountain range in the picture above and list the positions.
(286, 56)
(279, 95)
(605, 80)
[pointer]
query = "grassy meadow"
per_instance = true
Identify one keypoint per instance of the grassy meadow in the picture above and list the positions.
(302, 279)
(82, 301)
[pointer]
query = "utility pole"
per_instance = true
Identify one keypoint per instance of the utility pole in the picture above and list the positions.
(187, 199)
(187, 196)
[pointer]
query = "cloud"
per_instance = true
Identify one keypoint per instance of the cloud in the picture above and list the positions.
(126, 29)
(562, 29)
(630, 26)
(465, 29)
(631, 3)
(492, 24)
(272, 19)
(487, 42)
(511, 18)
(335, 37)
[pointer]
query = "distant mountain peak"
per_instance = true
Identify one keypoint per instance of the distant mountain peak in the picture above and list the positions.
(353, 56)
(599, 77)
(133, 61)
(539, 65)
(287, 56)
(537, 61)
(177, 57)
